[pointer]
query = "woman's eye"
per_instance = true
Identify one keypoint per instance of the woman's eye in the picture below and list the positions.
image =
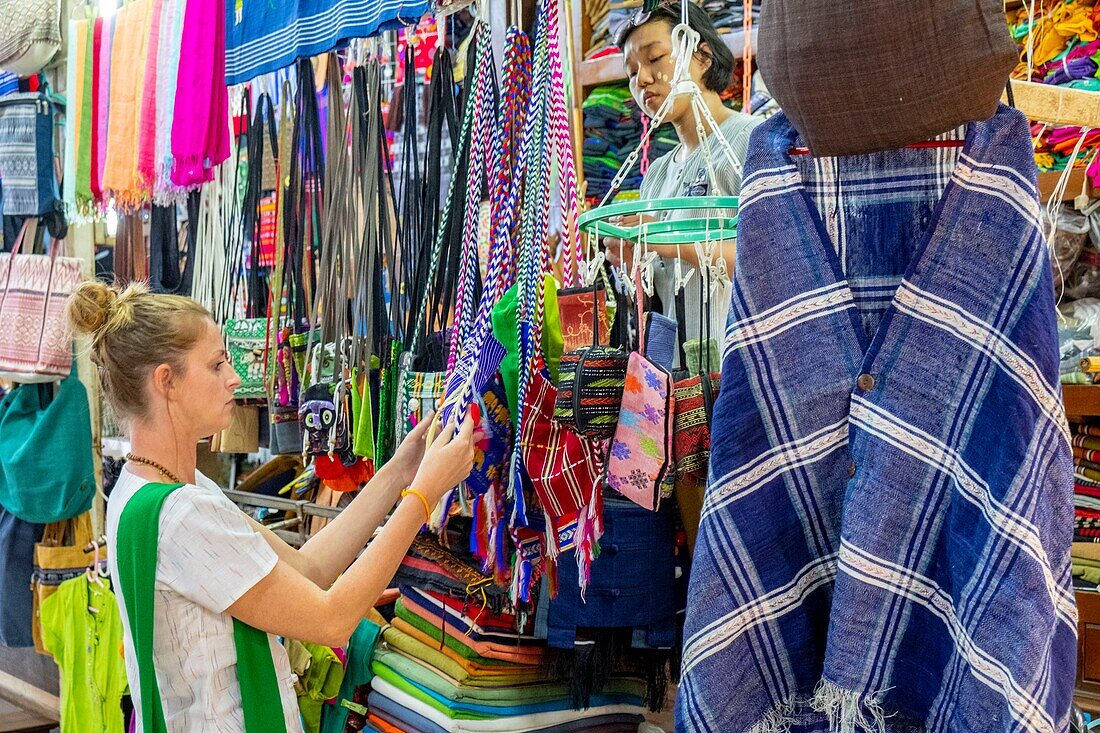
(656, 59)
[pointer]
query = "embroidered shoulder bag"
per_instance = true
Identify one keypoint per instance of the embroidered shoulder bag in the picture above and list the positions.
(641, 450)
(590, 387)
(695, 390)
(35, 342)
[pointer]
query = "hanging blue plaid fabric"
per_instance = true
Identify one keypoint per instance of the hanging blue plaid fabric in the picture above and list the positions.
(884, 543)
(261, 37)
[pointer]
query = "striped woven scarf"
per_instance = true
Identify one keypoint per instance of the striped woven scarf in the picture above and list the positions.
(885, 538)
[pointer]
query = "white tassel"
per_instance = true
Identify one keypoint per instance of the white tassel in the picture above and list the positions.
(777, 720)
(848, 712)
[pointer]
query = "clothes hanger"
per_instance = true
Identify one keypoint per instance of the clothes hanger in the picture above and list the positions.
(93, 573)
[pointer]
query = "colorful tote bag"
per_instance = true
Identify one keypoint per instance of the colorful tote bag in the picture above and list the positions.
(564, 468)
(35, 342)
(695, 391)
(641, 451)
(27, 155)
(575, 309)
(590, 386)
(693, 413)
(246, 342)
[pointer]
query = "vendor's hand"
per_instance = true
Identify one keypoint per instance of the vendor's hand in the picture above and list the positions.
(620, 252)
(448, 460)
(406, 459)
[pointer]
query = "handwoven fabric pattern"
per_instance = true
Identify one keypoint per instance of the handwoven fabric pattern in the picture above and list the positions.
(264, 37)
(885, 536)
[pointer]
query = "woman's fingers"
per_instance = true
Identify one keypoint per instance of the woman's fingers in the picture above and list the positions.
(421, 428)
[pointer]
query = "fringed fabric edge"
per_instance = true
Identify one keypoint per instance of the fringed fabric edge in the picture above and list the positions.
(846, 711)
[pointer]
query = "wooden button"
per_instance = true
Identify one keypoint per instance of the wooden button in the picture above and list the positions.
(865, 382)
(851, 470)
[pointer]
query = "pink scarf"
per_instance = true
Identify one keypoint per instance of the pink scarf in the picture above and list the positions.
(200, 124)
(103, 100)
(147, 128)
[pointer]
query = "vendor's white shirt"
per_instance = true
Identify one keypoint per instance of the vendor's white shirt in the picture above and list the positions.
(208, 556)
(670, 177)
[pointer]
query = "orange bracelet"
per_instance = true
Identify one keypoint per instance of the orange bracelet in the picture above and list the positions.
(423, 500)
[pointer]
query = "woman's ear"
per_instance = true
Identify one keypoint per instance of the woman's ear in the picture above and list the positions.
(162, 380)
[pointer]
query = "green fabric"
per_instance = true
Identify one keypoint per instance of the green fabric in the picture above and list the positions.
(450, 688)
(466, 652)
(362, 411)
(506, 331)
(387, 430)
(698, 360)
(357, 672)
(616, 96)
(46, 469)
(86, 646)
(381, 670)
(1085, 570)
(511, 695)
(136, 548)
(552, 340)
(400, 641)
(84, 143)
(322, 681)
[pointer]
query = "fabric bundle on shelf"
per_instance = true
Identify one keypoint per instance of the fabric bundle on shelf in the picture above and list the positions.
(612, 128)
(456, 665)
(607, 16)
(1064, 45)
(1085, 553)
(1055, 149)
(457, 657)
(729, 15)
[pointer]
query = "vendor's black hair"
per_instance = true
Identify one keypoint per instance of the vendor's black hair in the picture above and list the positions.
(717, 77)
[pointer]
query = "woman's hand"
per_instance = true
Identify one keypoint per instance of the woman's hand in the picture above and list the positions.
(447, 462)
(406, 459)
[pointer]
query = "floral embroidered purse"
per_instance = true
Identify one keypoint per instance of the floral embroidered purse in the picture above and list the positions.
(640, 455)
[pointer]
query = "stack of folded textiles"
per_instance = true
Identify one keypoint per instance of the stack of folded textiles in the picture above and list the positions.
(607, 17)
(613, 129)
(729, 15)
(450, 661)
(1086, 501)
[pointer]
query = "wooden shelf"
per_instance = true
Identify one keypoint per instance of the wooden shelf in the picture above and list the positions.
(1057, 105)
(1081, 400)
(609, 69)
(1048, 181)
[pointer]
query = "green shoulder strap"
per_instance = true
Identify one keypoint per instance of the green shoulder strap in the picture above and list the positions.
(136, 547)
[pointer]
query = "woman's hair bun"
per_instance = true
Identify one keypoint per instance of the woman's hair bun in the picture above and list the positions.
(90, 306)
(96, 307)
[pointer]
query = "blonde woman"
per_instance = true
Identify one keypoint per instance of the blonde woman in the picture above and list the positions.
(225, 586)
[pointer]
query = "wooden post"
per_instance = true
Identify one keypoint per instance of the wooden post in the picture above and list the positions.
(81, 241)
